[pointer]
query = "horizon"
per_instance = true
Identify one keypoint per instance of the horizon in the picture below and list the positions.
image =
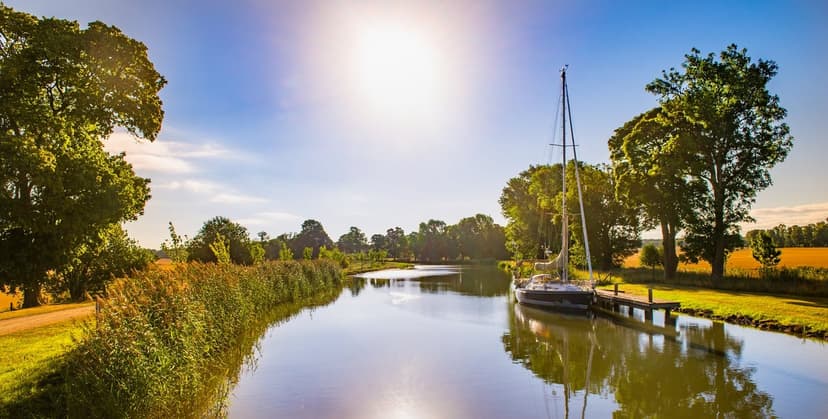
(275, 114)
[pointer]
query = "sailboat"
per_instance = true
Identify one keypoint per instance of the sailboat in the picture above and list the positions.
(551, 287)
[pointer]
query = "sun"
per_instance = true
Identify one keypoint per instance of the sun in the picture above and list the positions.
(397, 72)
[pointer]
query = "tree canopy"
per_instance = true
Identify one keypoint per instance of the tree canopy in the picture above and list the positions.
(221, 233)
(63, 90)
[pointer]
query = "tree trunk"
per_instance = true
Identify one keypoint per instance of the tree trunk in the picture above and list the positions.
(31, 294)
(717, 264)
(668, 241)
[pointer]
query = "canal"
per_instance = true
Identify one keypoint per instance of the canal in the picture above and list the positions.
(450, 342)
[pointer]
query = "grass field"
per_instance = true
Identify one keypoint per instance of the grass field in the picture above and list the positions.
(742, 259)
(807, 315)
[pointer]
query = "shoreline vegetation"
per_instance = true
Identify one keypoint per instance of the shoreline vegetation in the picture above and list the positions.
(159, 339)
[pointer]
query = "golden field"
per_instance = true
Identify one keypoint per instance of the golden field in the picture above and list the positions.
(742, 259)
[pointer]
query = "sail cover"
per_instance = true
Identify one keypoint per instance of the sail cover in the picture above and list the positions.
(552, 264)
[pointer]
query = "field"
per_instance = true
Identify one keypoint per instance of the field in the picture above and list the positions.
(5, 299)
(742, 259)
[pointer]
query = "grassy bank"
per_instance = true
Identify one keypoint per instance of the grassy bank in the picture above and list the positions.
(798, 315)
(159, 339)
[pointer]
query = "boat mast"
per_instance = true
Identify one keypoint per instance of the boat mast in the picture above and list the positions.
(564, 224)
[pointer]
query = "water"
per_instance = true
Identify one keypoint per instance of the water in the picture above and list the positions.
(451, 343)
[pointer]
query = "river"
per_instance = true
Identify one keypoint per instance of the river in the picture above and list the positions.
(450, 342)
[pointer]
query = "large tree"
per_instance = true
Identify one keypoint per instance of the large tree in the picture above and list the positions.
(479, 237)
(63, 91)
(234, 235)
(312, 236)
(730, 130)
(353, 241)
(651, 173)
(396, 242)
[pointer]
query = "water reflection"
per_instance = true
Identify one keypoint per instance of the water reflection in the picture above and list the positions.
(695, 374)
(481, 281)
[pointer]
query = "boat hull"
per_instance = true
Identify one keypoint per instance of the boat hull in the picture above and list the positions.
(555, 299)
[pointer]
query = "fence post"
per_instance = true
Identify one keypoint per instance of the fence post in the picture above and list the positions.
(616, 288)
(650, 295)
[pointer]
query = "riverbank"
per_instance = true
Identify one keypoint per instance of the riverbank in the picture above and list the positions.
(802, 316)
(36, 360)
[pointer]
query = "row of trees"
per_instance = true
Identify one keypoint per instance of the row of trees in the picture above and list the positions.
(532, 203)
(64, 90)
(221, 239)
(811, 235)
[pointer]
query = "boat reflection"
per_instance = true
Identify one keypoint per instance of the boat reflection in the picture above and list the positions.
(647, 375)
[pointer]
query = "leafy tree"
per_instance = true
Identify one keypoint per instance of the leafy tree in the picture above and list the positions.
(334, 254)
(307, 253)
(110, 254)
(175, 248)
(396, 242)
(434, 242)
(257, 252)
(313, 235)
(650, 256)
(353, 241)
(234, 234)
(649, 172)
(765, 252)
(527, 202)
(263, 237)
(479, 237)
(728, 126)
(64, 90)
(379, 242)
(221, 249)
(284, 252)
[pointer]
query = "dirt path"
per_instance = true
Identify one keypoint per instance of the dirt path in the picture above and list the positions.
(30, 322)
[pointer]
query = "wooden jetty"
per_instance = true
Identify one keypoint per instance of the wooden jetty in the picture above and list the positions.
(615, 298)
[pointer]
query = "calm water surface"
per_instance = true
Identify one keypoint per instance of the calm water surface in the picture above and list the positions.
(449, 342)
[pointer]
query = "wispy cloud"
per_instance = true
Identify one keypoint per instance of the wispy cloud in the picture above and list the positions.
(266, 218)
(163, 156)
(218, 193)
(793, 215)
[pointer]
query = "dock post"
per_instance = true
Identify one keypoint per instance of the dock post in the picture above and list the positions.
(616, 289)
(630, 310)
(648, 315)
(650, 295)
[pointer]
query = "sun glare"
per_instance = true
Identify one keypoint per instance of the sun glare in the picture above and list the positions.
(397, 71)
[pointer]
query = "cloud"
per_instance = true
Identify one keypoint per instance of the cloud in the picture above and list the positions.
(220, 193)
(793, 215)
(163, 156)
(233, 198)
(265, 218)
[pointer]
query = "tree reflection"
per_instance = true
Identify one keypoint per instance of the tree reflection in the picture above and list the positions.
(480, 281)
(694, 375)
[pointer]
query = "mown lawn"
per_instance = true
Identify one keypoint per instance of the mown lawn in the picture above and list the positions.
(787, 311)
(30, 365)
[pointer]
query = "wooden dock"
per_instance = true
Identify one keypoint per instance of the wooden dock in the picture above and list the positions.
(615, 298)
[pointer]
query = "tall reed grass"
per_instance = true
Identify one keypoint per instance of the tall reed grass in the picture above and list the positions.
(160, 334)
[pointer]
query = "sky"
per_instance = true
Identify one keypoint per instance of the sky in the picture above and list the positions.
(379, 114)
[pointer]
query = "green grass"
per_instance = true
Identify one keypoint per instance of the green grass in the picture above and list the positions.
(30, 368)
(808, 315)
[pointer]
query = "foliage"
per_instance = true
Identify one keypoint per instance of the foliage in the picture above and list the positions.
(378, 242)
(728, 129)
(353, 241)
(160, 333)
(221, 249)
(285, 253)
(335, 255)
(811, 235)
(235, 236)
(307, 253)
(313, 235)
(98, 261)
(479, 237)
(175, 248)
(765, 252)
(257, 253)
(532, 204)
(64, 90)
(433, 242)
(650, 256)
(396, 242)
(650, 172)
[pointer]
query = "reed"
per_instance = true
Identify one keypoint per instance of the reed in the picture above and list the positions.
(152, 348)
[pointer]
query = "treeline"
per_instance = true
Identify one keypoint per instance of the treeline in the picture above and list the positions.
(222, 240)
(811, 235)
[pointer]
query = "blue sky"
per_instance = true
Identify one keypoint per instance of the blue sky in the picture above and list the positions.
(268, 123)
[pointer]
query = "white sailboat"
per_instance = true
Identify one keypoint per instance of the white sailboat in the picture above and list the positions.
(554, 289)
